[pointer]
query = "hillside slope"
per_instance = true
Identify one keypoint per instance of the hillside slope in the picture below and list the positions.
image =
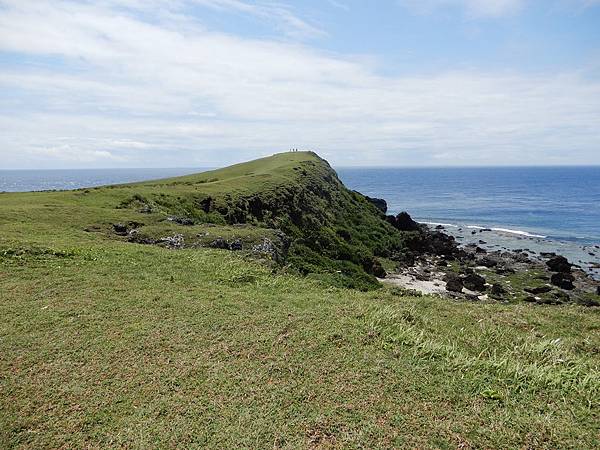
(290, 207)
(107, 343)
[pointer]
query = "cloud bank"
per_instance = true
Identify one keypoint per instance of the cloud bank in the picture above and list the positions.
(146, 83)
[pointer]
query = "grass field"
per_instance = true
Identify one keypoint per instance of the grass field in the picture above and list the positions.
(106, 344)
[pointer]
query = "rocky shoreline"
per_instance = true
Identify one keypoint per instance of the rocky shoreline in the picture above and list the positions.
(437, 263)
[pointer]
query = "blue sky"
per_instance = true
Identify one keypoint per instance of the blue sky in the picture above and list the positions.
(175, 83)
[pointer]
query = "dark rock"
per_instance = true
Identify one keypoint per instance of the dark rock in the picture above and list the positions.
(547, 254)
(442, 263)
(403, 222)
(588, 302)
(559, 264)
(474, 282)
(236, 245)
(563, 280)
(597, 290)
(439, 227)
(433, 243)
(375, 268)
(482, 242)
(181, 220)
(219, 243)
(498, 290)
(488, 262)
(453, 282)
(120, 229)
(379, 203)
(538, 290)
(530, 299)
(522, 258)
(480, 251)
(473, 232)
(504, 270)
(406, 259)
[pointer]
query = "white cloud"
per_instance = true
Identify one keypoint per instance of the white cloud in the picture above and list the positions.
(126, 91)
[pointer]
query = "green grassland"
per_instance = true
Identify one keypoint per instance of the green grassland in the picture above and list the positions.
(109, 343)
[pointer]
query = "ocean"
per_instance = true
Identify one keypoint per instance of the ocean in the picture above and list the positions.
(539, 208)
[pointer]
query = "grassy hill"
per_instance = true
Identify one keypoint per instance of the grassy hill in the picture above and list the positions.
(106, 341)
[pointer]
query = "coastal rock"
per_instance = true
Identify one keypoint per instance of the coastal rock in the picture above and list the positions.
(236, 245)
(474, 282)
(379, 203)
(563, 280)
(504, 270)
(403, 222)
(498, 291)
(453, 282)
(219, 243)
(120, 229)
(559, 264)
(488, 262)
(181, 220)
(374, 267)
(522, 258)
(597, 290)
(538, 290)
(405, 259)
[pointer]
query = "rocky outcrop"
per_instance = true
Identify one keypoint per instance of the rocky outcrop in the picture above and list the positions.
(559, 264)
(563, 280)
(403, 222)
(379, 203)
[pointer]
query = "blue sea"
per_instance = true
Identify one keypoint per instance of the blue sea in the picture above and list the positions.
(554, 202)
(539, 208)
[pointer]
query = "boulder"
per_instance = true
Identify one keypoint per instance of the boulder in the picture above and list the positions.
(379, 203)
(181, 220)
(120, 228)
(498, 290)
(219, 243)
(236, 245)
(474, 282)
(597, 290)
(453, 282)
(522, 258)
(559, 264)
(538, 290)
(488, 262)
(374, 267)
(403, 222)
(563, 280)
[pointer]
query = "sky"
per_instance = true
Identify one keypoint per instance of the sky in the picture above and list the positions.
(205, 83)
